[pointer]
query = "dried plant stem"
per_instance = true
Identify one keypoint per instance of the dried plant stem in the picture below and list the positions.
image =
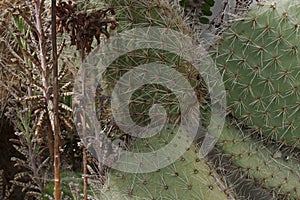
(83, 121)
(45, 73)
(55, 123)
(42, 52)
(83, 28)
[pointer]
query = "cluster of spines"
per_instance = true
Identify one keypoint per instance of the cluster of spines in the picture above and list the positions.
(132, 14)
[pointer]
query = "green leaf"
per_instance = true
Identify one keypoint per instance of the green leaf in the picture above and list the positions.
(204, 20)
(206, 10)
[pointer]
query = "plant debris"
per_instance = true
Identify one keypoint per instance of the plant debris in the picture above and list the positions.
(83, 26)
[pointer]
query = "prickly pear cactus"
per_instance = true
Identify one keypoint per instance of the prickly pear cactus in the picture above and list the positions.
(189, 177)
(259, 58)
(132, 14)
(261, 162)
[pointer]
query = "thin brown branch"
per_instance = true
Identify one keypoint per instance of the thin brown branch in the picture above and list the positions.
(38, 4)
(57, 186)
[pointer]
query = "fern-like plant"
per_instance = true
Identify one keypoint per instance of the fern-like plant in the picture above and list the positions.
(34, 163)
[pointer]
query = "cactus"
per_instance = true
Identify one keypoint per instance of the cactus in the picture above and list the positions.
(260, 62)
(189, 177)
(258, 58)
(262, 163)
(132, 14)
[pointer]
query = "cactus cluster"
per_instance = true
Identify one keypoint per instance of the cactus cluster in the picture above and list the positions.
(258, 59)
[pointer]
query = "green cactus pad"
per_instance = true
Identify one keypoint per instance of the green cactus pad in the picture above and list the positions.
(137, 14)
(265, 165)
(189, 177)
(259, 59)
